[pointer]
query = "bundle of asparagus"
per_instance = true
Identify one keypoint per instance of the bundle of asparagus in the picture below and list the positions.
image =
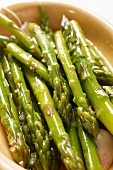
(46, 89)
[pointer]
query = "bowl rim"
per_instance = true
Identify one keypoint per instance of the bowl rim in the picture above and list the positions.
(66, 3)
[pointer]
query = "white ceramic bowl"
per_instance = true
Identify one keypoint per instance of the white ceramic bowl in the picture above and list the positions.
(96, 29)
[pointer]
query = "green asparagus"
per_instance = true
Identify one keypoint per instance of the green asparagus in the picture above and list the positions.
(101, 62)
(73, 134)
(8, 74)
(5, 40)
(77, 43)
(9, 119)
(28, 60)
(96, 95)
(45, 25)
(20, 35)
(84, 110)
(98, 57)
(56, 160)
(7, 71)
(44, 125)
(40, 137)
(86, 75)
(61, 93)
(68, 154)
(109, 91)
(91, 156)
(104, 75)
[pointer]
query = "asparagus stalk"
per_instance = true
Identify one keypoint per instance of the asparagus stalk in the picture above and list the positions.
(104, 75)
(20, 35)
(73, 134)
(55, 155)
(28, 60)
(39, 136)
(26, 131)
(86, 75)
(77, 43)
(96, 95)
(101, 62)
(5, 40)
(9, 119)
(98, 57)
(45, 24)
(8, 74)
(89, 149)
(61, 94)
(7, 71)
(84, 111)
(69, 155)
(109, 91)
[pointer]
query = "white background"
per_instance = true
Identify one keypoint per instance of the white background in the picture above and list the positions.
(103, 8)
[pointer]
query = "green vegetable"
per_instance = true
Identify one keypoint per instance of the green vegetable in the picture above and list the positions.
(39, 136)
(94, 92)
(91, 156)
(10, 121)
(61, 93)
(45, 25)
(7, 72)
(28, 60)
(73, 134)
(96, 95)
(102, 73)
(84, 111)
(69, 155)
(20, 35)
(5, 40)
(109, 91)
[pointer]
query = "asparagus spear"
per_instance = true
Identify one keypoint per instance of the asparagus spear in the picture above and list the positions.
(69, 155)
(46, 27)
(96, 95)
(28, 60)
(98, 57)
(7, 71)
(26, 133)
(101, 62)
(55, 155)
(39, 36)
(40, 137)
(45, 24)
(77, 43)
(99, 98)
(5, 40)
(109, 91)
(20, 35)
(89, 149)
(56, 160)
(9, 119)
(73, 134)
(104, 75)
(84, 111)
(61, 92)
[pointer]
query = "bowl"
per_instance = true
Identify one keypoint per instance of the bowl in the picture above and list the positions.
(95, 28)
